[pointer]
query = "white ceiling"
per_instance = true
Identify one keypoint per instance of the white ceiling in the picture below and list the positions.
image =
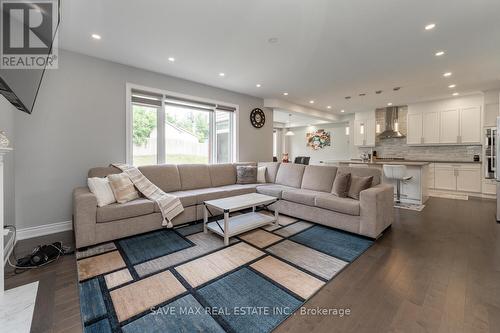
(282, 117)
(326, 49)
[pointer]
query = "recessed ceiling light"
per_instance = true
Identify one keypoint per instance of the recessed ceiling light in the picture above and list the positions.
(455, 94)
(447, 74)
(389, 104)
(452, 86)
(258, 85)
(329, 107)
(342, 111)
(171, 59)
(222, 74)
(430, 26)
(285, 94)
(311, 102)
(96, 36)
(439, 53)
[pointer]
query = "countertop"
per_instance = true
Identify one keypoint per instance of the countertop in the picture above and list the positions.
(400, 162)
(407, 162)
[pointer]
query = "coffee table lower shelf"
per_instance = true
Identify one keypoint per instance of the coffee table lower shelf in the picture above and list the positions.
(241, 223)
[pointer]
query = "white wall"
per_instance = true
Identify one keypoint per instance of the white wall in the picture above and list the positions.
(79, 123)
(7, 112)
(339, 149)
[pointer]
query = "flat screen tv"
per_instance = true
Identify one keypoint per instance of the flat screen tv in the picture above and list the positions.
(20, 86)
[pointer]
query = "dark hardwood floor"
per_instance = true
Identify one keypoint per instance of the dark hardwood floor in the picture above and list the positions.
(434, 271)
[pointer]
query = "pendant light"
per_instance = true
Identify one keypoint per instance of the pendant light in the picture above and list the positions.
(289, 132)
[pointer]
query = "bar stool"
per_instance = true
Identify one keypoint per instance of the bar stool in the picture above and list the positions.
(397, 172)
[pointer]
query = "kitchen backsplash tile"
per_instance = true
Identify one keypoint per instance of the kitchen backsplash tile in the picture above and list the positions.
(398, 148)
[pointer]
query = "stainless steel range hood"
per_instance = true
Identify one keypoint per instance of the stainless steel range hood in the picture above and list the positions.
(391, 119)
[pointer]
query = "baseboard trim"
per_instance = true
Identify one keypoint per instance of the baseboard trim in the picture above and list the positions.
(42, 230)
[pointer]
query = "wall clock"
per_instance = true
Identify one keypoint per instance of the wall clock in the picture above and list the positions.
(257, 118)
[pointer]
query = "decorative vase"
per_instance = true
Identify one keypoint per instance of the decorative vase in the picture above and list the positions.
(4, 141)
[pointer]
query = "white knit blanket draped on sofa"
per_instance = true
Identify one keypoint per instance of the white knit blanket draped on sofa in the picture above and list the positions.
(170, 205)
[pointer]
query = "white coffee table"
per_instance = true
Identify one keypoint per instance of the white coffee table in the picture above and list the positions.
(236, 225)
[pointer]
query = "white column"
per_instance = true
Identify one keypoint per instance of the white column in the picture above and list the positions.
(3, 151)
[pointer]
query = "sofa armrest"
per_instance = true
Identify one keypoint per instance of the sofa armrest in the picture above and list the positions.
(376, 209)
(84, 216)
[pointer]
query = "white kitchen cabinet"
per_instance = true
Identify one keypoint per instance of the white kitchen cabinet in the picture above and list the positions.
(414, 128)
(445, 178)
(449, 126)
(470, 125)
(430, 127)
(364, 132)
(469, 179)
(457, 177)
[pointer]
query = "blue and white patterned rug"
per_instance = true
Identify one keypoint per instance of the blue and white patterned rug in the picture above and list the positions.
(183, 280)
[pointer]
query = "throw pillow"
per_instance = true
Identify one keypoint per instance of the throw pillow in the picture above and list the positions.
(246, 174)
(261, 174)
(102, 190)
(123, 188)
(359, 184)
(341, 184)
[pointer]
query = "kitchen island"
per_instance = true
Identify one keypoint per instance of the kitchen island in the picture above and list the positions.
(415, 190)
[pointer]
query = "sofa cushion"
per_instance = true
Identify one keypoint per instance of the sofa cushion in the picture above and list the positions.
(209, 193)
(305, 197)
(271, 170)
(246, 174)
(358, 184)
(273, 190)
(342, 205)
(187, 198)
(123, 188)
(239, 189)
(290, 174)
(222, 174)
(341, 184)
(194, 176)
(363, 172)
(126, 210)
(165, 176)
(319, 177)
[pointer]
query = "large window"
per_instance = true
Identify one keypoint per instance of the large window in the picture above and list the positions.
(167, 129)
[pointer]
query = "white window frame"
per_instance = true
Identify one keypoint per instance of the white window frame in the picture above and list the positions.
(234, 153)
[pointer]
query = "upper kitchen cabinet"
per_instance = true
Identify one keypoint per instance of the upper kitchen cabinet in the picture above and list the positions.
(456, 121)
(364, 129)
(423, 128)
(414, 128)
(430, 127)
(449, 126)
(470, 125)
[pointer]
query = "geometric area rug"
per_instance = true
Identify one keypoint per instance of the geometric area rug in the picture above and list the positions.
(183, 280)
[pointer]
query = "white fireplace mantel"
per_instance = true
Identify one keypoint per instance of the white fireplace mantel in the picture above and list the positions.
(16, 305)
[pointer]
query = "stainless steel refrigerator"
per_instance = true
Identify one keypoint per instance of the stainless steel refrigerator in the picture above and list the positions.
(496, 146)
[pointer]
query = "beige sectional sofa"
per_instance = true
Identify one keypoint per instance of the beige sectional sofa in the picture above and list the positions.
(304, 192)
